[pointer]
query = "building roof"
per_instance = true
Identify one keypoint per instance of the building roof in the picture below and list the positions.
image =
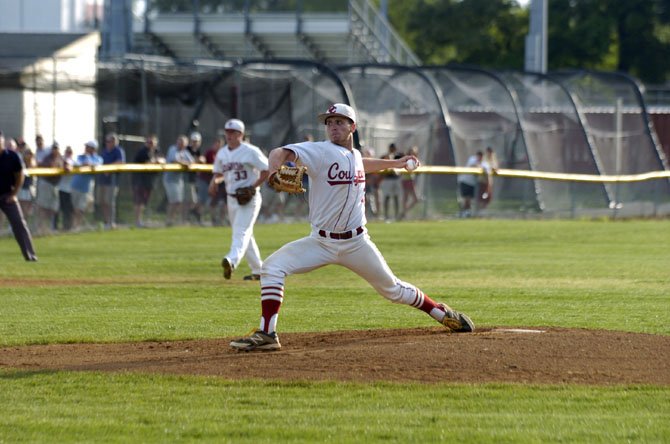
(20, 49)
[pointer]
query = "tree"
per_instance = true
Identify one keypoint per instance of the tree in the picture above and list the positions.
(641, 52)
(625, 36)
(485, 32)
(580, 35)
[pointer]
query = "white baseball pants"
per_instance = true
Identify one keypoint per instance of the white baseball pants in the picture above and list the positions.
(243, 245)
(359, 254)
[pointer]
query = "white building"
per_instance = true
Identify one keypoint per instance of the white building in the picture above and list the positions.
(48, 69)
(49, 16)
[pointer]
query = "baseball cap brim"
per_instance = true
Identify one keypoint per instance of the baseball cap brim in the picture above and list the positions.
(324, 116)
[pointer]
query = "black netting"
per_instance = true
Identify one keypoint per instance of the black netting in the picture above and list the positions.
(596, 96)
(483, 114)
(561, 123)
(400, 105)
(555, 141)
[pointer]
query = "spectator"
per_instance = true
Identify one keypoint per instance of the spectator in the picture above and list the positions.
(191, 191)
(274, 204)
(65, 209)
(82, 190)
(40, 150)
(302, 208)
(485, 190)
(390, 184)
(11, 145)
(143, 183)
(47, 200)
(372, 189)
(27, 193)
(21, 144)
(216, 203)
(467, 184)
(108, 183)
(173, 181)
(11, 180)
(409, 196)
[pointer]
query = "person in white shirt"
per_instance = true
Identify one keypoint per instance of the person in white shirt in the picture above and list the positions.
(467, 184)
(174, 181)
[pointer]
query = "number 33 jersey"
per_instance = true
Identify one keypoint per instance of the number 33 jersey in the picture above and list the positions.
(241, 166)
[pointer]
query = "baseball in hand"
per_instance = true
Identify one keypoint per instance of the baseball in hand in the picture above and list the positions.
(411, 165)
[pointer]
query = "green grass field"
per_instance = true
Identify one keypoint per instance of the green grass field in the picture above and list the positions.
(135, 285)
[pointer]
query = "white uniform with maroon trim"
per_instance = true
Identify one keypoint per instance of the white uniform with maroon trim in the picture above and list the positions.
(337, 216)
(241, 167)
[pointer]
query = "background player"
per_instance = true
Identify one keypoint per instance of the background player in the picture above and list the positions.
(338, 236)
(240, 164)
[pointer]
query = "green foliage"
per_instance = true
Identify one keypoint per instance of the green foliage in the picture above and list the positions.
(610, 35)
(485, 32)
(628, 36)
(581, 34)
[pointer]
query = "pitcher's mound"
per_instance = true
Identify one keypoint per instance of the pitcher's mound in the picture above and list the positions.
(501, 354)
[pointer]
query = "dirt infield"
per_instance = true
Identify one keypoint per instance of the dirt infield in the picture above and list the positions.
(524, 355)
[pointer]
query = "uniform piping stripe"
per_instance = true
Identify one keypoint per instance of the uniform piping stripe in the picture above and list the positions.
(418, 298)
(421, 297)
(273, 290)
(273, 287)
(271, 297)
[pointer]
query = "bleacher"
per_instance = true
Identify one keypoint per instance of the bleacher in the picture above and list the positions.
(358, 34)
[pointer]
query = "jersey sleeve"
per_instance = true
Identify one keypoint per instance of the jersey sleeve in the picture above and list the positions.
(216, 167)
(308, 154)
(259, 160)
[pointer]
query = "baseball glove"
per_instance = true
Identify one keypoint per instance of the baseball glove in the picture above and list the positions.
(244, 195)
(288, 178)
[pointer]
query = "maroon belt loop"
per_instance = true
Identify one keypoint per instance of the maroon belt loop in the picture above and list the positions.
(342, 236)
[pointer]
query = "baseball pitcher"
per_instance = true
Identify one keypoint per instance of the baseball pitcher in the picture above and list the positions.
(338, 235)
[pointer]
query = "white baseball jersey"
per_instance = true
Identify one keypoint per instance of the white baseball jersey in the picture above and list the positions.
(241, 166)
(336, 185)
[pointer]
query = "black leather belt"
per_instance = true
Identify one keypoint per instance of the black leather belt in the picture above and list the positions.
(341, 236)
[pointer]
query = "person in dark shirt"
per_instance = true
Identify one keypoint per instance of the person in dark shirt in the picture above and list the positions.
(390, 185)
(107, 186)
(11, 180)
(191, 188)
(143, 183)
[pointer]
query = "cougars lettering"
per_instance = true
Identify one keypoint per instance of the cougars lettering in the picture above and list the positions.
(232, 166)
(338, 176)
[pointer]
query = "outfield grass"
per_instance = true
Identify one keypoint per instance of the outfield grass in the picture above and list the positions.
(137, 285)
